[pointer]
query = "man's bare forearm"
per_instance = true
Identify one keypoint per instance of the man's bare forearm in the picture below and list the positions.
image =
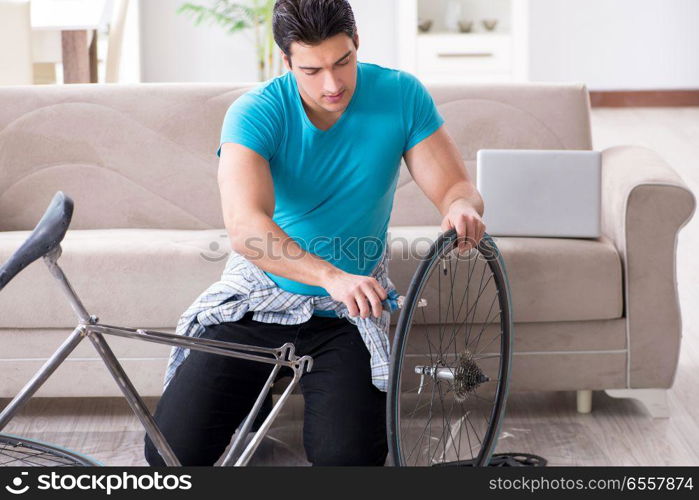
(268, 246)
(464, 191)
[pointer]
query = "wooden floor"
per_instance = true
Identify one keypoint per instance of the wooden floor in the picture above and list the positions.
(617, 432)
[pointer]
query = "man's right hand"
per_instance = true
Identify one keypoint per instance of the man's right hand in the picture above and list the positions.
(361, 294)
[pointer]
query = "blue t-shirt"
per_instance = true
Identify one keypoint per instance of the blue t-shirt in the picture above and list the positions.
(334, 189)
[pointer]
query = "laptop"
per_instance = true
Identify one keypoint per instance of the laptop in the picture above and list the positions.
(540, 192)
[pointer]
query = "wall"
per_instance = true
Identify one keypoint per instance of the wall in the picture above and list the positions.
(130, 65)
(619, 44)
(174, 50)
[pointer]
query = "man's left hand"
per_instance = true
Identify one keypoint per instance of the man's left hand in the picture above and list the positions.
(469, 226)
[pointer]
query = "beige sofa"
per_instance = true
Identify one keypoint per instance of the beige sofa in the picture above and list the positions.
(147, 234)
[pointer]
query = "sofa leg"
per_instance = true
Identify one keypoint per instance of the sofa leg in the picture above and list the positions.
(655, 400)
(584, 401)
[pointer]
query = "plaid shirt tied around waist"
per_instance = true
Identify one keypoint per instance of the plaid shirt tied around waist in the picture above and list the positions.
(244, 287)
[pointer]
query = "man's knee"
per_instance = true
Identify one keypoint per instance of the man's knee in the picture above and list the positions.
(199, 456)
(347, 425)
(333, 455)
(346, 443)
(151, 453)
(349, 458)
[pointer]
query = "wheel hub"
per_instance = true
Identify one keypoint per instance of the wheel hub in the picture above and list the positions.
(466, 376)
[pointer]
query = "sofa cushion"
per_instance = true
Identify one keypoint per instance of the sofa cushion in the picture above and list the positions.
(146, 278)
(139, 278)
(551, 279)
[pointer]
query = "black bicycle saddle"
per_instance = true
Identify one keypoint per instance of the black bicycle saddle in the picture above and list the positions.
(46, 236)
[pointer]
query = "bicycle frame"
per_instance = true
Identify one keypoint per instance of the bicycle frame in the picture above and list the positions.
(89, 327)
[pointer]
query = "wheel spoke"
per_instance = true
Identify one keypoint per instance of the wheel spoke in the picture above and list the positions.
(16, 451)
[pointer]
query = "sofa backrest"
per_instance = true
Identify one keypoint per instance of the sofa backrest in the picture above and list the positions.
(144, 155)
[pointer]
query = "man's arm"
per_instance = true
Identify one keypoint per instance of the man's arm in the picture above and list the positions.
(247, 198)
(438, 169)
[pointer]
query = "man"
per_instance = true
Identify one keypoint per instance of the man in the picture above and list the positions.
(308, 170)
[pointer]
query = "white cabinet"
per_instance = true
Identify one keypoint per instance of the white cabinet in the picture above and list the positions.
(443, 54)
(455, 56)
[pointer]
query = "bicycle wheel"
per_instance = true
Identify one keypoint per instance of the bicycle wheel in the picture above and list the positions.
(22, 452)
(451, 358)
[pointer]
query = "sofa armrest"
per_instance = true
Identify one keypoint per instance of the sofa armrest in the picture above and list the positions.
(645, 203)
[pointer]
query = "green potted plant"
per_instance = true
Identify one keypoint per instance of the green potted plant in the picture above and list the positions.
(241, 17)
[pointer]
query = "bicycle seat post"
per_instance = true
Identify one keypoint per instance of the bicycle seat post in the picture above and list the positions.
(51, 260)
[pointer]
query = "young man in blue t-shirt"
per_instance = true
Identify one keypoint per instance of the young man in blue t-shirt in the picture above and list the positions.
(308, 171)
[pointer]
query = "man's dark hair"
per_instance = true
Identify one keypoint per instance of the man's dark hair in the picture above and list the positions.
(310, 21)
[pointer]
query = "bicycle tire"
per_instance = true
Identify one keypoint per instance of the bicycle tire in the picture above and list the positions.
(439, 250)
(22, 452)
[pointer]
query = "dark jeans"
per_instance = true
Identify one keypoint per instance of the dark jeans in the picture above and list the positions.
(210, 395)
